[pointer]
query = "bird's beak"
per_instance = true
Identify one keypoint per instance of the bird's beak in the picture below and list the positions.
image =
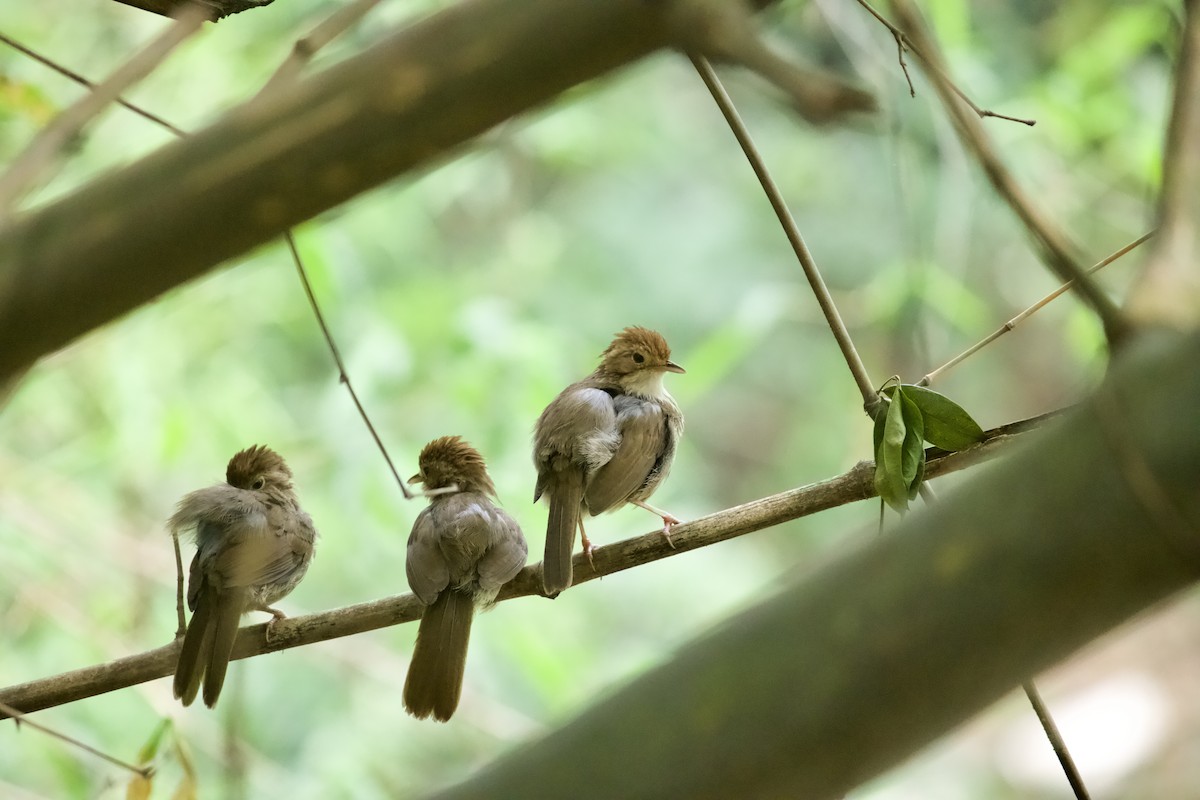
(671, 366)
(415, 478)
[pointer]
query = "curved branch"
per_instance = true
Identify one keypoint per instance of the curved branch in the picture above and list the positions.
(849, 487)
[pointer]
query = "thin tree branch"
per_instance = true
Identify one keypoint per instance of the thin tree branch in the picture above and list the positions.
(401, 105)
(82, 81)
(853, 668)
(1056, 250)
(854, 485)
(1168, 290)
(343, 376)
(302, 52)
(179, 591)
(792, 231)
(1033, 309)
(27, 167)
(305, 48)
(903, 44)
(1056, 741)
(12, 713)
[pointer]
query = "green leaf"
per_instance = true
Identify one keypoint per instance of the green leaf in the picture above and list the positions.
(914, 488)
(150, 748)
(889, 474)
(880, 421)
(947, 425)
(912, 452)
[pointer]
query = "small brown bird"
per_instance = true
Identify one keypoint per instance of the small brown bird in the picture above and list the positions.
(605, 441)
(462, 549)
(253, 545)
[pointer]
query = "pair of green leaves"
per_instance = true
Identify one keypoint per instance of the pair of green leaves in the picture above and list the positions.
(915, 415)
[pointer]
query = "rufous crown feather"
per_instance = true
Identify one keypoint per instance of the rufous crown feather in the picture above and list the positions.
(257, 466)
(452, 460)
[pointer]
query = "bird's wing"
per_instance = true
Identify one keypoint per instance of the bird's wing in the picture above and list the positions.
(426, 567)
(577, 429)
(642, 438)
(253, 553)
(233, 542)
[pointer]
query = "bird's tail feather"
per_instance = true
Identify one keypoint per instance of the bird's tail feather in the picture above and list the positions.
(435, 674)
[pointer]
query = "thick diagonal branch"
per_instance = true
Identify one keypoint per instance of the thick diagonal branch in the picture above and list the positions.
(404, 104)
(851, 670)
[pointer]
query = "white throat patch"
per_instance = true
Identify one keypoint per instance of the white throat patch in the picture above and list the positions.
(647, 383)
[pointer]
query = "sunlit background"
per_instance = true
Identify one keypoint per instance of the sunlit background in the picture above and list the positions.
(465, 299)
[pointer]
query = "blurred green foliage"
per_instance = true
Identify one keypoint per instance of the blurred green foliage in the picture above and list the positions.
(464, 299)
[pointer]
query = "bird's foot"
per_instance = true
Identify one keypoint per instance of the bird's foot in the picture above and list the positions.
(276, 615)
(667, 518)
(668, 521)
(588, 549)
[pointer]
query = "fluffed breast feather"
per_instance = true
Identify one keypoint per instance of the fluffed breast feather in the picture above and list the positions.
(220, 505)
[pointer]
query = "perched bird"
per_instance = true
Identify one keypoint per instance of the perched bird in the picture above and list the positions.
(605, 441)
(253, 545)
(462, 549)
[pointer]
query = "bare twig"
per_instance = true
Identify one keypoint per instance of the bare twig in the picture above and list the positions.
(82, 81)
(1019, 318)
(343, 376)
(1056, 741)
(302, 52)
(305, 48)
(182, 628)
(903, 44)
(790, 229)
(56, 136)
(851, 486)
(19, 716)
(1057, 252)
(1168, 290)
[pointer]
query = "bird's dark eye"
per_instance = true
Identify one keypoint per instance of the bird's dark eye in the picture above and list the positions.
(638, 358)
(259, 483)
